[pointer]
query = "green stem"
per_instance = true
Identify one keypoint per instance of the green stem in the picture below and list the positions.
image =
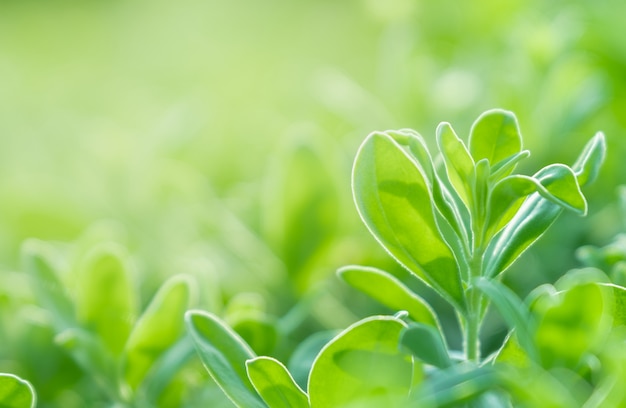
(473, 317)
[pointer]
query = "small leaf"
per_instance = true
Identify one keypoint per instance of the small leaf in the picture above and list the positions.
(16, 392)
(38, 260)
(506, 166)
(394, 201)
(505, 199)
(105, 299)
(495, 136)
(561, 187)
(388, 290)
(274, 384)
(513, 311)
(427, 344)
(362, 366)
(458, 161)
(588, 164)
(159, 327)
(455, 385)
(224, 355)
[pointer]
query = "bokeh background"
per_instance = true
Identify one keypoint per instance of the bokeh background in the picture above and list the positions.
(216, 138)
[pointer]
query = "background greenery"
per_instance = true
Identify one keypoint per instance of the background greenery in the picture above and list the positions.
(216, 139)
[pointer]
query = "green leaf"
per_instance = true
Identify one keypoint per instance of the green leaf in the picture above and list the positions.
(588, 164)
(561, 186)
(105, 299)
(505, 199)
(572, 323)
(455, 385)
(158, 328)
(92, 356)
(495, 136)
(388, 290)
(506, 166)
(259, 331)
(458, 161)
(38, 259)
(394, 201)
(513, 311)
(274, 384)
(224, 355)
(363, 367)
(304, 355)
(16, 392)
(427, 344)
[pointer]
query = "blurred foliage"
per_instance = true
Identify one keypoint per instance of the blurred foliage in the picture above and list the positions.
(216, 139)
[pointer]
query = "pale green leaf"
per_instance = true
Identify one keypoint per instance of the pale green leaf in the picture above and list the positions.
(394, 200)
(459, 163)
(427, 344)
(275, 384)
(158, 328)
(495, 136)
(588, 164)
(16, 392)
(304, 355)
(224, 354)
(363, 367)
(389, 291)
(105, 299)
(506, 166)
(560, 186)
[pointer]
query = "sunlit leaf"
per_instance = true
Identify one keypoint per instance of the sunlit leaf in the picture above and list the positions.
(304, 355)
(588, 164)
(388, 290)
(495, 136)
(458, 161)
(274, 384)
(224, 355)
(16, 392)
(158, 328)
(394, 200)
(362, 366)
(105, 299)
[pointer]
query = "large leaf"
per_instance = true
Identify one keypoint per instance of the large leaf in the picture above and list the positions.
(362, 367)
(495, 136)
(427, 344)
(274, 384)
(16, 392)
(394, 200)
(105, 299)
(304, 355)
(38, 259)
(389, 291)
(158, 328)
(224, 355)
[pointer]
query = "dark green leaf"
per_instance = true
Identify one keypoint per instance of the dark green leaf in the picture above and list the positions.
(362, 366)
(394, 200)
(159, 327)
(389, 291)
(495, 136)
(274, 384)
(427, 344)
(224, 355)
(15, 392)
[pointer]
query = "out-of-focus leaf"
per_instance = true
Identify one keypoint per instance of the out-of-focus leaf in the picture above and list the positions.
(512, 353)
(304, 355)
(458, 161)
(158, 328)
(37, 260)
(495, 136)
(363, 367)
(455, 385)
(588, 164)
(513, 311)
(389, 291)
(92, 356)
(259, 331)
(394, 200)
(105, 299)
(16, 392)
(274, 384)
(427, 344)
(224, 355)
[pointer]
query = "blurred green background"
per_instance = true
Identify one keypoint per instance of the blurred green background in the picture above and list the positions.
(216, 138)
